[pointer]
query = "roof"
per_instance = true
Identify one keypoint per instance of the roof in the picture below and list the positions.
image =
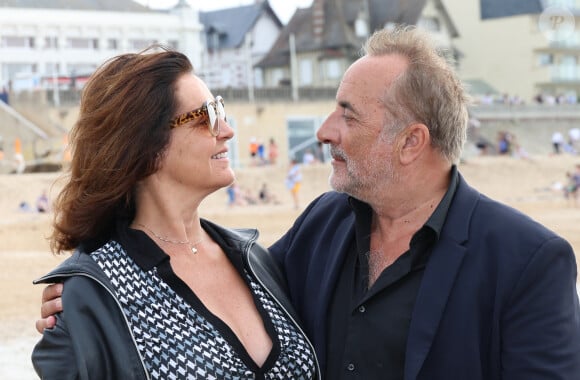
(338, 35)
(89, 5)
(505, 8)
(232, 24)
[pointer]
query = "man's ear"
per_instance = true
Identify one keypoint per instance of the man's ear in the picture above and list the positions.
(414, 140)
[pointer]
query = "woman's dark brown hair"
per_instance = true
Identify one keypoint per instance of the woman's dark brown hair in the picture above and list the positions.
(118, 139)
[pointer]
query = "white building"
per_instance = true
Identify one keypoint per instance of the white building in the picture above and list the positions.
(236, 38)
(516, 48)
(42, 41)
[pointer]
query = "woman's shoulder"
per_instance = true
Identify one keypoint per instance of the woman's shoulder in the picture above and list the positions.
(80, 263)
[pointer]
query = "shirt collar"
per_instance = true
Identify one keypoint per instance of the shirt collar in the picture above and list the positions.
(139, 246)
(147, 254)
(437, 219)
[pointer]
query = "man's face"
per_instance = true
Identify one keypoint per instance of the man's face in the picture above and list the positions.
(358, 129)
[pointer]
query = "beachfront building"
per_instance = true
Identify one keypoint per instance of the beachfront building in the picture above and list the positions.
(55, 45)
(49, 42)
(320, 42)
(557, 62)
(520, 49)
(236, 38)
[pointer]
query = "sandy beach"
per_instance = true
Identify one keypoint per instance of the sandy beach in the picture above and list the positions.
(527, 185)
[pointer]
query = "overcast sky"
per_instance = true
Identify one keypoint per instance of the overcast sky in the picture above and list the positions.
(283, 8)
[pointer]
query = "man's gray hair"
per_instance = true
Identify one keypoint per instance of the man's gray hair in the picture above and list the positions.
(428, 92)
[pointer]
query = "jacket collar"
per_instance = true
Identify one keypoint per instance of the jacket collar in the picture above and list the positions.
(81, 263)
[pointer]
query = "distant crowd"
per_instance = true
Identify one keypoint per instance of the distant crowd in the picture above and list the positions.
(571, 144)
(515, 100)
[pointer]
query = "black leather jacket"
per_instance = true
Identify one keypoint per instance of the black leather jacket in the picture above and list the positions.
(93, 340)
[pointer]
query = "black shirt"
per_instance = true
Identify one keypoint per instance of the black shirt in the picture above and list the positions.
(368, 328)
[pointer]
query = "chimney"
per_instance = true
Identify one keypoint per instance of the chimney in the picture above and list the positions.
(361, 24)
(318, 20)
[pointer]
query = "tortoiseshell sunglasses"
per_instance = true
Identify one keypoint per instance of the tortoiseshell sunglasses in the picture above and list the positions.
(214, 110)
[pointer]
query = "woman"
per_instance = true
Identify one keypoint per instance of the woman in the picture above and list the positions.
(153, 291)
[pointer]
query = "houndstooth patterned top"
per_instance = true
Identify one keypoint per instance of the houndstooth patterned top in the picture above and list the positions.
(178, 338)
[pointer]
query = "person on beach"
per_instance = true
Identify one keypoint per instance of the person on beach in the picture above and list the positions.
(293, 182)
(153, 290)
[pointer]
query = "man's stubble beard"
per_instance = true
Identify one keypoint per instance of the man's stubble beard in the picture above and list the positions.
(361, 179)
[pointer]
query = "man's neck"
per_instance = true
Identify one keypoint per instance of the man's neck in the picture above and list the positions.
(397, 218)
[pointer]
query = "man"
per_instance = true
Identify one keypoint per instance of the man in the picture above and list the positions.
(406, 272)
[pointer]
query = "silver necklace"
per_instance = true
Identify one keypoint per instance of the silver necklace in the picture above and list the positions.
(192, 246)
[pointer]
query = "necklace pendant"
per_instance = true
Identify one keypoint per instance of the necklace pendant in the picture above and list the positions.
(193, 250)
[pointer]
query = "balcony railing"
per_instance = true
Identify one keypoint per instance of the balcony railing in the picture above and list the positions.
(526, 112)
(284, 94)
(273, 94)
(565, 73)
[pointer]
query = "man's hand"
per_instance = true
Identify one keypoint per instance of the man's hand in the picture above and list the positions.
(51, 304)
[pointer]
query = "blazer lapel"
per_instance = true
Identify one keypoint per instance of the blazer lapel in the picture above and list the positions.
(430, 303)
(337, 248)
(438, 279)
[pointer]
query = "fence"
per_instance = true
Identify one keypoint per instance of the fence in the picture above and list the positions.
(271, 94)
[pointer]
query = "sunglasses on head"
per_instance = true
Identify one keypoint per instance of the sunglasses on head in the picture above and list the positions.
(213, 110)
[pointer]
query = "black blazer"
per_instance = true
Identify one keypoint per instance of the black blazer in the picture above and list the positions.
(498, 298)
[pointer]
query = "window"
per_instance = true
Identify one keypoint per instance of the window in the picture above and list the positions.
(112, 44)
(52, 67)
(545, 59)
(302, 136)
(277, 76)
(569, 60)
(567, 69)
(305, 72)
(82, 43)
(138, 44)
(258, 77)
(16, 42)
(51, 42)
(213, 40)
(332, 69)
(225, 78)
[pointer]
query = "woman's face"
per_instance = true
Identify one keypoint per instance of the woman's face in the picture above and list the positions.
(195, 159)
